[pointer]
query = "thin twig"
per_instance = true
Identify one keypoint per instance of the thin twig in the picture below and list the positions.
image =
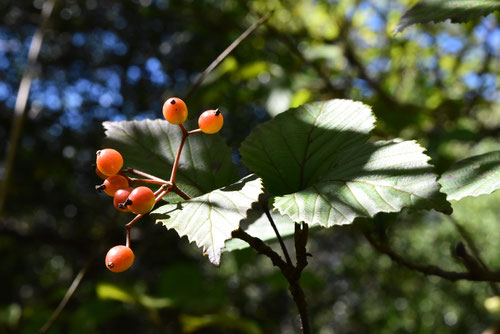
(135, 220)
(143, 174)
(225, 53)
(293, 47)
(265, 207)
(179, 192)
(431, 270)
(147, 181)
(468, 240)
(192, 132)
(185, 134)
(127, 238)
(22, 99)
(475, 251)
(69, 293)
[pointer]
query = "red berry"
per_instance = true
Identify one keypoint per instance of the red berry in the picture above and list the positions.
(211, 121)
(109, 161)
(141, 200)
(113, 183)
(175, 110)
(119, 258)
(121, 196)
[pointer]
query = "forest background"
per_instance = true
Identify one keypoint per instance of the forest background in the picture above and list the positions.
(119, 60)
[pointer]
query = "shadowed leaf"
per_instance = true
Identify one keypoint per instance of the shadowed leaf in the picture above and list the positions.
(440, 10)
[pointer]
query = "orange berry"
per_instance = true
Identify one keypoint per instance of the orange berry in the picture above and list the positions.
(119, 258)
(113, 183)
(211, 121)
(141, 200)
(121, 196)
(109, 161)
(175, 110)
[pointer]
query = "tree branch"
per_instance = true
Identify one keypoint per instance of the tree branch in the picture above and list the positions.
(475, 251)
(431, 270)
(301, 235)
(264, 249)
(291, 273)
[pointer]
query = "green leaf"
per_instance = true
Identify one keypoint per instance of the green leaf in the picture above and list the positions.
(227, 323)
(151, 146)
(257, 225)
(291, 151)
(316, 160)
(114, 292)
(440, 10)
(378, 177)
(209, 220)
(474, 176)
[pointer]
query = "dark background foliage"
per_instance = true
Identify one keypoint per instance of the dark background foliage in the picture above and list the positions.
(119, 60)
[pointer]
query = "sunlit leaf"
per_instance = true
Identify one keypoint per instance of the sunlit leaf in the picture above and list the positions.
(208, 220)
(114, 292)
(111, 291)
(473, 176)
(195, 324)
(379, 177)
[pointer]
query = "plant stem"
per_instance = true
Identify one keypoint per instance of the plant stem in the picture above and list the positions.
(431, 270)
(179, 192)
(133, 221)
(177, 157)
(290, 272)
(300, 237)
(134, 181)
(265, 207)
(185, 134)
(475, 251)
(143, 174)
(300, 300)
(264, 249)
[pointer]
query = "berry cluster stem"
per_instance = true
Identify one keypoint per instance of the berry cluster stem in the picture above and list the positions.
(165, 186)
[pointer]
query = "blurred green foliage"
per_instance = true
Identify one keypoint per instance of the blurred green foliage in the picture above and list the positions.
(117, 60)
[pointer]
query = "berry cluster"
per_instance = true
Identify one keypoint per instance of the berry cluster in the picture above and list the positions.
(141, 200)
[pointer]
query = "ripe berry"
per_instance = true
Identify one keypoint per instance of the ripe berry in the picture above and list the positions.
(175, 110)
(119, 258)
(101, 175)
(113, 183)
(141, 200)
(211, 121)
(121, 196)
(109, 161)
